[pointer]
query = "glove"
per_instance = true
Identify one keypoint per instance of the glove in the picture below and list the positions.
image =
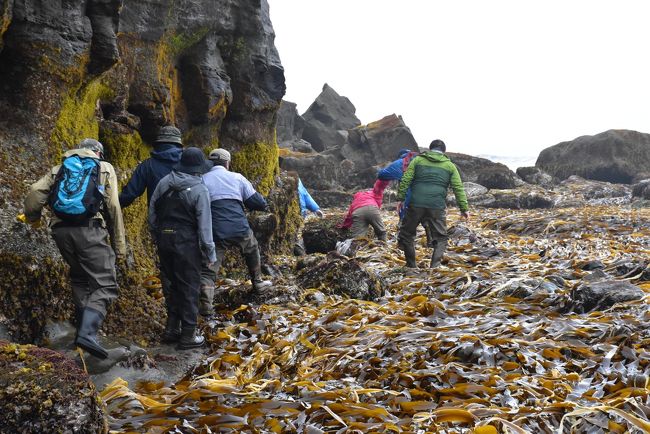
(320, 214)
(23, 219)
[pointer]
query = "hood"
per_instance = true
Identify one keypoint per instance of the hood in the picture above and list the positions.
(179, 180)
(167, 152)
(436, 157)
(86, 153)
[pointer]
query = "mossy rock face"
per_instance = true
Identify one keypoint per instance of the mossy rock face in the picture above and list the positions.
(43, 391)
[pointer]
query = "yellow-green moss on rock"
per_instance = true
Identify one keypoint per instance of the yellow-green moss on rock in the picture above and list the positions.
(78, 116)
(259, 163)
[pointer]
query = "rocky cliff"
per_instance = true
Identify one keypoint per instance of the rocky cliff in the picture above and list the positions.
(117, 70)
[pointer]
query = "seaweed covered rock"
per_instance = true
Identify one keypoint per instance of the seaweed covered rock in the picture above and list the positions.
(43, 391)
(617, 156)
(321, 235)
(600, 295)
(521, 198)
(337, 274)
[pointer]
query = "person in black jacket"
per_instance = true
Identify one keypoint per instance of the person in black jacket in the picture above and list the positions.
(165, 155)
(181, 223)
(230, 193)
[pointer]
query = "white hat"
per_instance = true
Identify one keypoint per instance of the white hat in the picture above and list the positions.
(219, 154)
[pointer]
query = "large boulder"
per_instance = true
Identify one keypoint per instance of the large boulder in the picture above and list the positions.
(327, 119)
(618, 156)
(321, 235)
(43, 391)
(378, 142)
(484, 172)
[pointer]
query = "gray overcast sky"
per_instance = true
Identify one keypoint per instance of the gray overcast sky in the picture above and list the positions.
(500, 77)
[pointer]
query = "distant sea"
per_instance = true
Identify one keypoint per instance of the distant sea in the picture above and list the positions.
(512, 162)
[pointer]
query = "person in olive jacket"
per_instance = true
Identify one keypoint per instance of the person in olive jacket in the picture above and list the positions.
(429, 175)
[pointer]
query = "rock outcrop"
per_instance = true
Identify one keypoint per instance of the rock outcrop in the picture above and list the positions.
(117, 71)
(535, 175)
(484, 172)
(617, 156)
(642, 189)
(328, 119)
(43, 391)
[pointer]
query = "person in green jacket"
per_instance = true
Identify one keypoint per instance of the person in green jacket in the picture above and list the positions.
(429, 176)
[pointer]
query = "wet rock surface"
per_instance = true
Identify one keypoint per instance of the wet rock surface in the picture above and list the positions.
(601, 295)
(483, 171)
(321, 235)
(43, 391)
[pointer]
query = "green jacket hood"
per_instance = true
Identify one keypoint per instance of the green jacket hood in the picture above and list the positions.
(436, 157)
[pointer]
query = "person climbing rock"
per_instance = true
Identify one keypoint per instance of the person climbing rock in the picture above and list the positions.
(394, 172)
(364, 212)
(307, 204)
(429, 176)
(167, 150)
(82, 193)
(230, 193)
(180, 222)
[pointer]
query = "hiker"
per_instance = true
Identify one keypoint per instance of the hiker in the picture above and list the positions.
(82, 193)
(230, 193)
(429, 175)
(166, 153)
(394, 172)
(180, 222)
(364, 212)
(167, 150)
(307, 203)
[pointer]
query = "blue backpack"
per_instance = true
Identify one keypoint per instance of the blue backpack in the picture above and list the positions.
(76, 195)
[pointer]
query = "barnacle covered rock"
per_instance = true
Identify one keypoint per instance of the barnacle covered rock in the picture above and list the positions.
(43, 391)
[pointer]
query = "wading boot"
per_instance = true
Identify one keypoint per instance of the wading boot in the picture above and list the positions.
(206, 300)
(409, 256)
(87, 333)
(190, 338)
(255, 269)
(438, 253)
(172, 331)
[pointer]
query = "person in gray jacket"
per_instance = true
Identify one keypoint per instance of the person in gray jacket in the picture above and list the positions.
(181, 224)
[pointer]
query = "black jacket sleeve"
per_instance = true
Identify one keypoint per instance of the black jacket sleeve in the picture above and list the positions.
(256, 203)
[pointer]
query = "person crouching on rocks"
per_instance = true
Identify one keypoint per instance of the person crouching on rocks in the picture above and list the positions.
(181, 224)
(364, 212)
(230, 193)
(82, 194)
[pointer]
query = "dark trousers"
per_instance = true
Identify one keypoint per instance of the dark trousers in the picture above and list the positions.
(364, 217)
(92, 264)
(248, 247)
(180, 262)
(434, 222)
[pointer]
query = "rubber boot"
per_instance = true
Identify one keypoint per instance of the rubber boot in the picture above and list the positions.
(255, 269)
(87, 333)
(190, 338)
(206, 300)
(438, 253)
(409, 254)
(172, 331)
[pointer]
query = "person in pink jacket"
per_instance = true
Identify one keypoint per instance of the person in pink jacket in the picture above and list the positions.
(364, 212)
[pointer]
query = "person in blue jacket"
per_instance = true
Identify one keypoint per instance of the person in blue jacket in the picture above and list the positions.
(394, 172)
(166, 153)
(307, 203)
